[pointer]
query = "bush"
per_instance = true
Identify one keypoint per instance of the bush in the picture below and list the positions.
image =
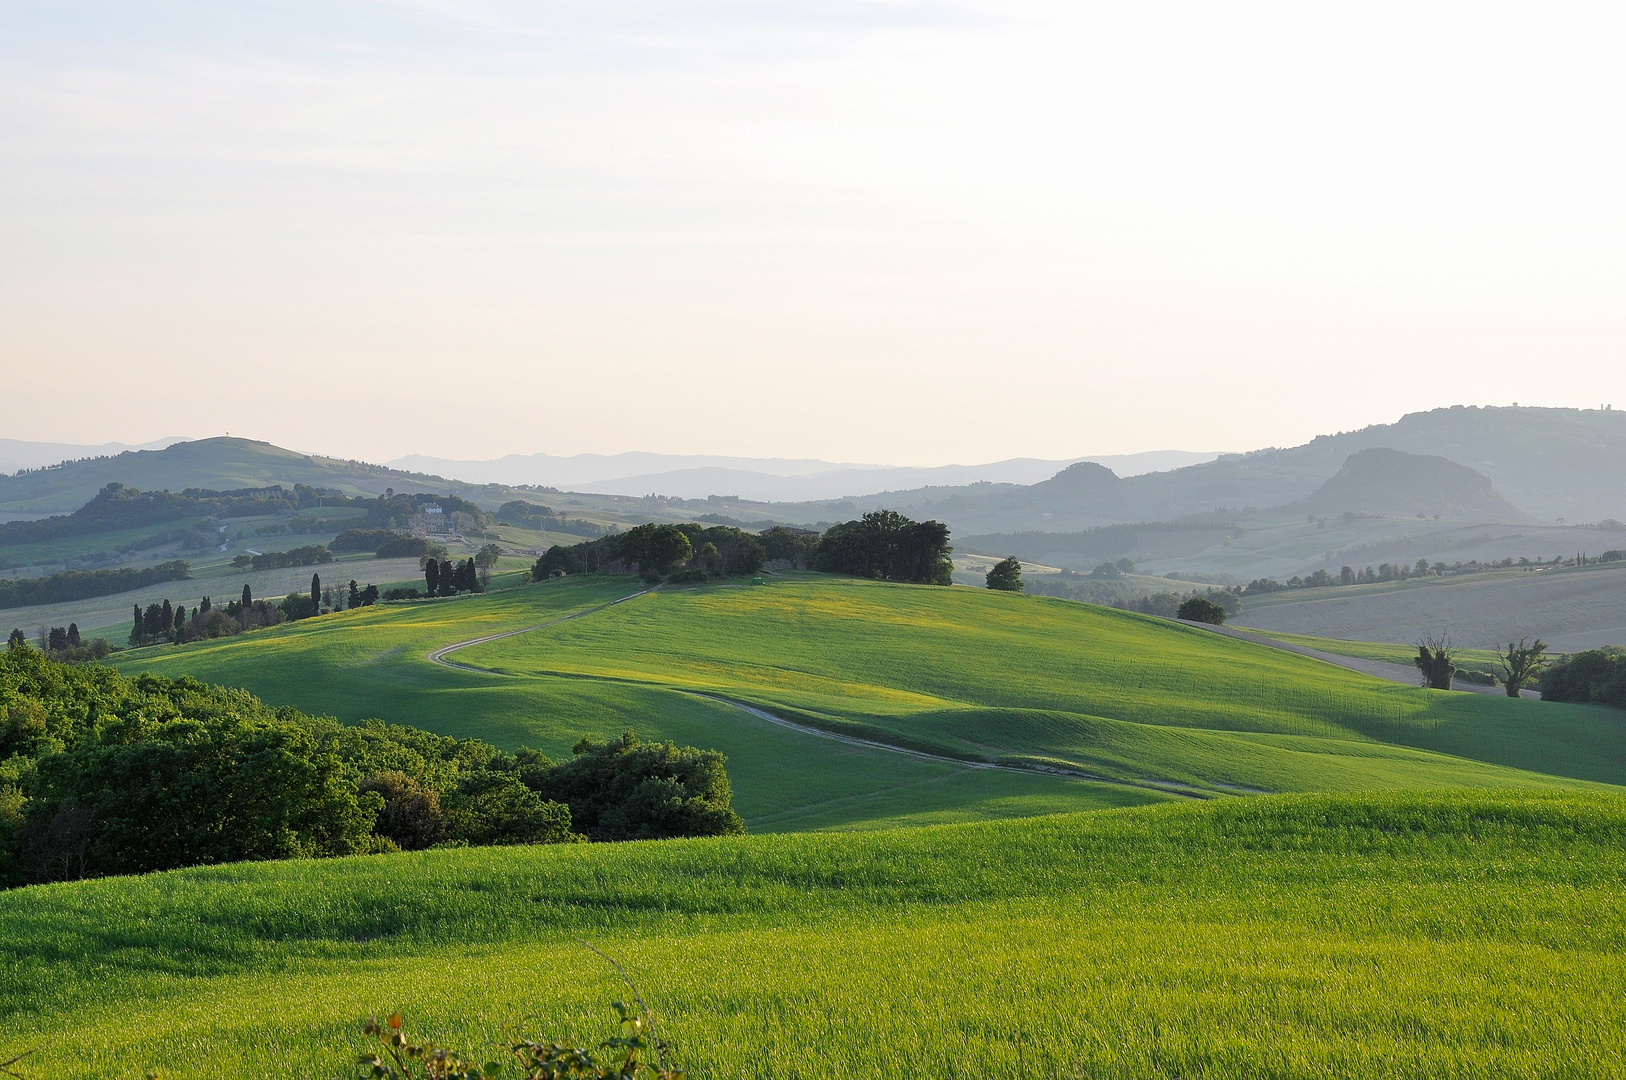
(410, 817)
(628, 790)
(1201, 609)
(1594, 675)
(100, 773)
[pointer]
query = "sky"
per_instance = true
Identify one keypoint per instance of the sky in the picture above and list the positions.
(908, 232)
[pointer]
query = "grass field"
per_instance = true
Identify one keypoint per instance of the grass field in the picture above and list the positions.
(960, 672)
(1413, 935)
(373, 662)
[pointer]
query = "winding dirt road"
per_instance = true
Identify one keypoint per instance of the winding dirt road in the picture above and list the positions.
(439, 656)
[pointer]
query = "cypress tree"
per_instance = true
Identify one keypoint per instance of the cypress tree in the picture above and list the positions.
(73, 635)
(135, 635)
(248, 597)
(316, 593)
(180, 619)
(448, 579)
(166, 625)
(431, 576)
(354, 600)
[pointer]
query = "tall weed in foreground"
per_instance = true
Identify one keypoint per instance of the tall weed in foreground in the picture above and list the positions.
(634, 1054)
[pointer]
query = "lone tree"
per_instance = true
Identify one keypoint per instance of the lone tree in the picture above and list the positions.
(1521, 664)
(248, 596)
(1006, 575)
(316, 593)
(1435, 660)
(1201, 609)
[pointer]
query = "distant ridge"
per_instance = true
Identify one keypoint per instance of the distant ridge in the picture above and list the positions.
(693, 476)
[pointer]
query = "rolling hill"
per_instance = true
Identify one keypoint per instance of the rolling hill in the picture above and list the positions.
(1296, 937)
(1147, 705)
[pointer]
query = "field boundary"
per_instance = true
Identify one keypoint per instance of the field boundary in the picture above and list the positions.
(1378, 669)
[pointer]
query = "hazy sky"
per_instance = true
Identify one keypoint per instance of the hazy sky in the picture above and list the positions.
(910, 232)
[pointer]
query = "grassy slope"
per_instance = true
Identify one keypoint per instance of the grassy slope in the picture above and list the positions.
(1298, 936)
(1388, 652)
(963, 672)
(987, 675)
(372, 663)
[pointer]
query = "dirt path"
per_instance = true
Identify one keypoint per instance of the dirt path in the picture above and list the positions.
(439, 656)
(1380, 669)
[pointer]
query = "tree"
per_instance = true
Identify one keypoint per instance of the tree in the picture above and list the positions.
(140, 625)
(316, 592)
(74, 641)
(1203, 610)
(18, 640)
(248, 597)
(487, 556)
(1521, 664)
(1436, 662)
(431, 576)
(353, 601)
(1005, 575)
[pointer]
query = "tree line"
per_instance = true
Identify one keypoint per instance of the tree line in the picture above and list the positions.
(163, 623)
(308, 555)
(84, 584)
(883, 545)
(105, 774)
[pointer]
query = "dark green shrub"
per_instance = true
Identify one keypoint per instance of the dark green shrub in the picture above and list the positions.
(1593, 675)
(1200, 609)
(628, 790)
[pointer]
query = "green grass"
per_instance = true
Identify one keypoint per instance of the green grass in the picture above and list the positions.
(372, 663)
(964, 673)
(1421, 935)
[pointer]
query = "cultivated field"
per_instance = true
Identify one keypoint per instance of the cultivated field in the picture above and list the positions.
(1569, 609)
(1296, 936)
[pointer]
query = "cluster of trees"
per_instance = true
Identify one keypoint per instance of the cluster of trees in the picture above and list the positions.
(686, 552)
(164, 623)
(83, 584)
(309, 555)
(64, 644)
(529, 515)
(446, 578)
(1593, 675)
(883, 544)
(104, 774)
(886, 545)
(388, 544)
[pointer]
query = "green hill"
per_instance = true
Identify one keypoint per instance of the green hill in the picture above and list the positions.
(1409, 935)
(961, 673)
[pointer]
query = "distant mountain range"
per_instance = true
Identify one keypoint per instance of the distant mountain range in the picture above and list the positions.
(1556, 464)
(695, 476)
(1504, 465)
(16, 454)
